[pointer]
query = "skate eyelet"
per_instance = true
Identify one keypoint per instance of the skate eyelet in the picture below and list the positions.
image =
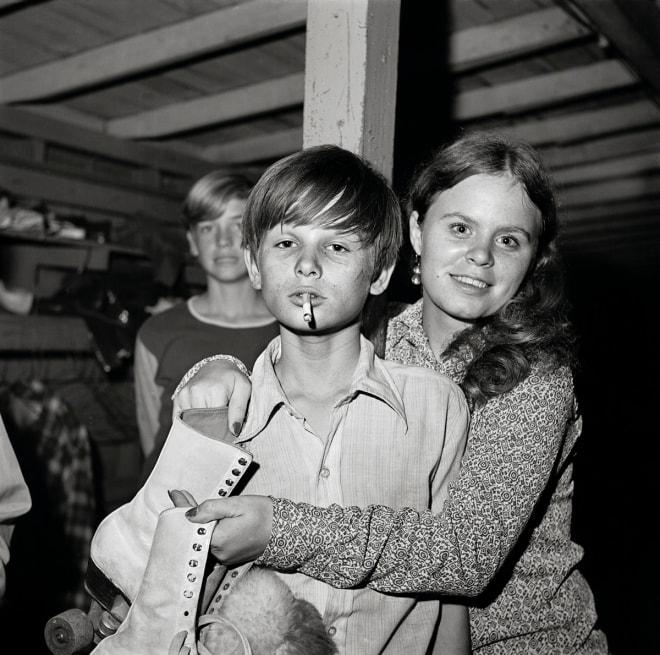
(193, 563)
(197, 547)
(201, 531)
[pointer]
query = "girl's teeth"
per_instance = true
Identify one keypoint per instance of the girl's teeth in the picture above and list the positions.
(468, 280)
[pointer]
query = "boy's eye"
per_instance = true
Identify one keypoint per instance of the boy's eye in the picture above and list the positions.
(337, 247)
(284, 243)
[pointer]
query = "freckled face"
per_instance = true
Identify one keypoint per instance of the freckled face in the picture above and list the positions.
(217, 244)
(335, 268)
(476, 245)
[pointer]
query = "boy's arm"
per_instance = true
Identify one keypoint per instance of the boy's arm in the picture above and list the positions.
(147, 395)
(217, 381)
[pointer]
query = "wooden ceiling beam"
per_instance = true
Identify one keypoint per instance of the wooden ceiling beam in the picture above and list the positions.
(631, 221)
(271, 146)
(633, 29)
(250, 100)
(543, 90)
(562, 129)
(600, 149)
(531, 32)
(31, 125)
(8, 3)
(522, 35)
(82, 194)
(611, 210)
(169, 45)
(585, 124)
(608, 168)
(611, 190)
(617, 238)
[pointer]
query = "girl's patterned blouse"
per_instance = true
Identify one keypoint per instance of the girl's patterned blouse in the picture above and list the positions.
(503, 536)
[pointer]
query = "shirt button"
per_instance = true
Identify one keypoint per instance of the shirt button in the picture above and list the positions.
(325, 472)
(332, 631)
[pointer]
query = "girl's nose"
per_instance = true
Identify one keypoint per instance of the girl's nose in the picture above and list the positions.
(480, 254)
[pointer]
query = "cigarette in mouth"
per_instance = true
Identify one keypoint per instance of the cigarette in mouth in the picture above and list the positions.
(307, 308)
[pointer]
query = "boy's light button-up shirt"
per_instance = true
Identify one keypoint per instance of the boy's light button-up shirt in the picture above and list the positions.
(396, 439)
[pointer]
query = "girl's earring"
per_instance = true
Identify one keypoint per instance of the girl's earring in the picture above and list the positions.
(416, 278)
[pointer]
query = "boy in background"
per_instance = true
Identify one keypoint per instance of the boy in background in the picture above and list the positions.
(229, 316)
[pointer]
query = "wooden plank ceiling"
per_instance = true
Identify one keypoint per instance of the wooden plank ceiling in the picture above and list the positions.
(114, 106)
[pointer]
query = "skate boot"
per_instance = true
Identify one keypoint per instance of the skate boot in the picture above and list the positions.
(169, 595)
(198, 456)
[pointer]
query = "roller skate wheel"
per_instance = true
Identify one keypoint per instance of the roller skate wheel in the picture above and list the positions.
(69, 632)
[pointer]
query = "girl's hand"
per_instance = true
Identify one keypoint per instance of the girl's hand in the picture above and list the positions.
(218, 383)
(177, 647)
(244, 524)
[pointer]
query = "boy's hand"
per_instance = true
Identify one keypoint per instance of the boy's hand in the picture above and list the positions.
(218, 383)
(243, 529)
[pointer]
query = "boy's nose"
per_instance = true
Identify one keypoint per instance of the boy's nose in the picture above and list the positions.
(308, 265)
(223, 237)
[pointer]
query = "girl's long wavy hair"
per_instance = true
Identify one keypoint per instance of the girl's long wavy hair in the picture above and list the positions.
(533, 327)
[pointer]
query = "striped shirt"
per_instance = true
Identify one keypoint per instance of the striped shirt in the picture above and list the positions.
(396, 438)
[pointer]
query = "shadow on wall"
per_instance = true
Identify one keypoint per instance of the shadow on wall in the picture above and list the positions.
(616, 473)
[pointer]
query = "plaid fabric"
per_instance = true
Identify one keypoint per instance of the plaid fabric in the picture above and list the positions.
(48, 429)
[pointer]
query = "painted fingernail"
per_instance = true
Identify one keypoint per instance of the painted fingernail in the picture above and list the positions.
(192, 511)
(236, 428)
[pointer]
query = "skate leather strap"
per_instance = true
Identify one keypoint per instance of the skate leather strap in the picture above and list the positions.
(219, 584)
(207, 619)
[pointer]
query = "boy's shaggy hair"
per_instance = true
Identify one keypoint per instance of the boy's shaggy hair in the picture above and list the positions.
(330, 187)
(209, 196)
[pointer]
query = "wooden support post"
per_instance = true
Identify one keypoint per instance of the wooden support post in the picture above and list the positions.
(350, 77)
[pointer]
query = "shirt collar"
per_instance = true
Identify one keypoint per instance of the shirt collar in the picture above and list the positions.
(407, 342)
(370, 377)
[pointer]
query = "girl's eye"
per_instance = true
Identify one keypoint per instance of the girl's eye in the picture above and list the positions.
(459, 228)
(205, 229)
(509, 241)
